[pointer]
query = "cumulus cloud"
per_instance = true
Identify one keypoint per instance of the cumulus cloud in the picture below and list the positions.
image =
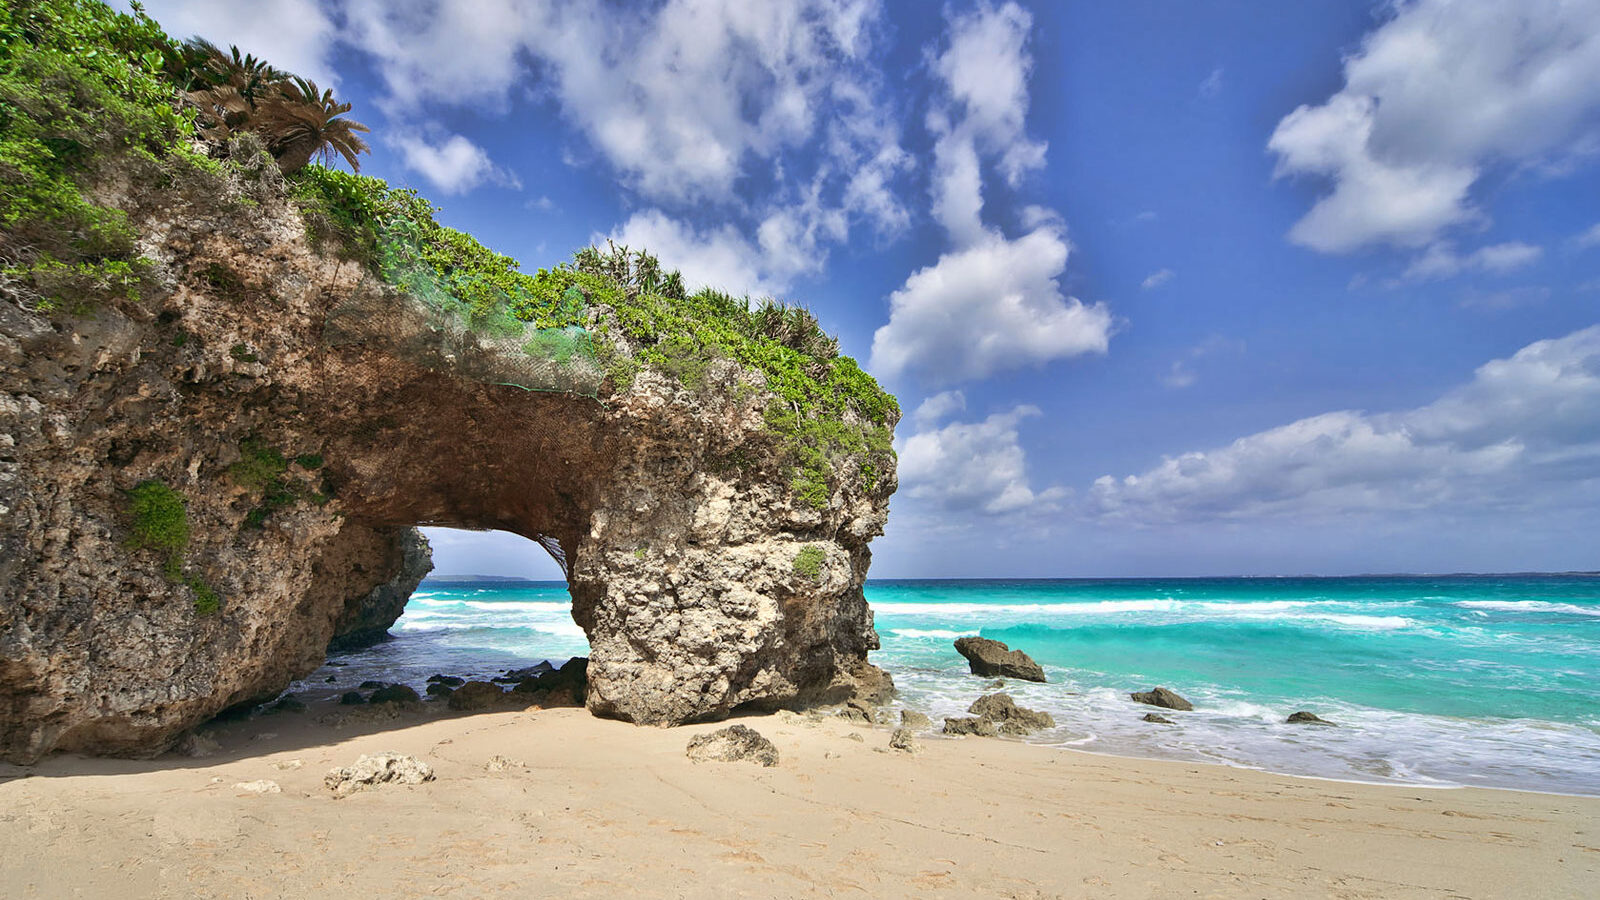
(937, 408)
(1437, 95)
(293, 35)
(454, 165)
(718, 257)
(991, 302)
(1157, 279)
(1524, 430)
(993, 306)
(1440, 260)
(1588, 238)
(973, 466)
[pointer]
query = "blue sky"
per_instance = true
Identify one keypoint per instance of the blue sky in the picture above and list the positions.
(1163, 288)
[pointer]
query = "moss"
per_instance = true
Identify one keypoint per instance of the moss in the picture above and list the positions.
(309, 461)
(241, 353)
(264, 469)
(206, 599)
(259, 465)
(808, 562)
(160, 518)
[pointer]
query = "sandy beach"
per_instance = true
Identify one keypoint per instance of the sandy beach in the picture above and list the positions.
(589, 807)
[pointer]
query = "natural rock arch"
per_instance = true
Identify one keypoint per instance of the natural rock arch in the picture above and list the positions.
(257, 386)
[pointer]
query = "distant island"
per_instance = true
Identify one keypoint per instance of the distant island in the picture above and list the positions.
(469, 579)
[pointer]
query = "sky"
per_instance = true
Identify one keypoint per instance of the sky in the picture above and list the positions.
(1221, 288)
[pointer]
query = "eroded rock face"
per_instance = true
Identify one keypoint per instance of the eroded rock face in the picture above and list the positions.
(305, 442)
(368, 617)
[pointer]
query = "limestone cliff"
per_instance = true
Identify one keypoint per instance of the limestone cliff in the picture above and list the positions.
(202, 487)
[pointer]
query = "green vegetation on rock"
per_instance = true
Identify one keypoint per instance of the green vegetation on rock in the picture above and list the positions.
(262, 469)
(160, 521)
(808, 562)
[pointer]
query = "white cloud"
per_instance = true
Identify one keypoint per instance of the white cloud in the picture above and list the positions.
(1588, 238)
(973, 466)
(294, 35)
(937, 408)
(454, 165)
(1181, 374)
(1524, 430)
(1440, 260)
(1157, 279)
(993, 306)
(985, 73)
(714, 257)
(1437, 95)
(1212, 85)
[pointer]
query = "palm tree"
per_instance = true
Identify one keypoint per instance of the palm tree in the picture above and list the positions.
(300, 123)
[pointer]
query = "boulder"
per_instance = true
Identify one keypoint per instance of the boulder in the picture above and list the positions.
(1307, 718)
(986, 657)
(370, 685)
(736, 743)
(371, 771)
(351, 698)
(438, 690)
(905, 741)
(446, 680)
(857, 711)
(1163, 698)
(288, 703)
(476, 695)
(910, 718)
(394, 693)
(1157, 718)
(971, 725)
(1008, 716)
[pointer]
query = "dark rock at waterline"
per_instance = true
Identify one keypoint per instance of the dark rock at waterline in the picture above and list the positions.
(972, 725)
(351, 698)
(371, 685)
(1008, 716)
(394, 693)
(986, 657)
(331, 679)
(572, 676)
(447, 680)
(289, 703)
(437, 689)
(537, 670)
(1158, 719)
(735, 743)
(1307, 718)
(1163, 698)
(476, 695)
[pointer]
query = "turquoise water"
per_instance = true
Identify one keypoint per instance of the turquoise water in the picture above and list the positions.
(1433, 681)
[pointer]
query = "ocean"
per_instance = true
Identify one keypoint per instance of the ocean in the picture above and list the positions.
(1432, 681)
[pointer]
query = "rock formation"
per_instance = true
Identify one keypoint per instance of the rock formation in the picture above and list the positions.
(1306, 718)
(736, 743)
(1008, 716)
(367, 618)
(202, 488)
(987, 657)
(1163, 698)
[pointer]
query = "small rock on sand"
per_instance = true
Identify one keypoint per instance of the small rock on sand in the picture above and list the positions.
(733, 744)
(1163, 698)
(971, 725)
(501, 764)
(905, 741)
(258, 787)
(910, 718)
(381, 768)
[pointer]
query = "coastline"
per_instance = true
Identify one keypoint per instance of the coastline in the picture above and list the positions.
(603, 807)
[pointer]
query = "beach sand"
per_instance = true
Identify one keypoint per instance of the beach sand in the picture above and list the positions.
(604, 808)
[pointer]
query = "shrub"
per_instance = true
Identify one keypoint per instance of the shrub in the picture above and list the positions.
(808, 562)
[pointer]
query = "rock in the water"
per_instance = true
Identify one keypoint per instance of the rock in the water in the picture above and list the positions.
(986, 657)
(394, 693)
(1008, 716)
(904, 740)
(258, 787)
(1157, 718)
(733, 744)
(381, 768)
(910, 718)
(477, 695)
(351, 698)
(537, 670)
(971, 725)
(370, 685)
(1163, 698)
(439, 690)
(1307, 718)
(446, 680)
